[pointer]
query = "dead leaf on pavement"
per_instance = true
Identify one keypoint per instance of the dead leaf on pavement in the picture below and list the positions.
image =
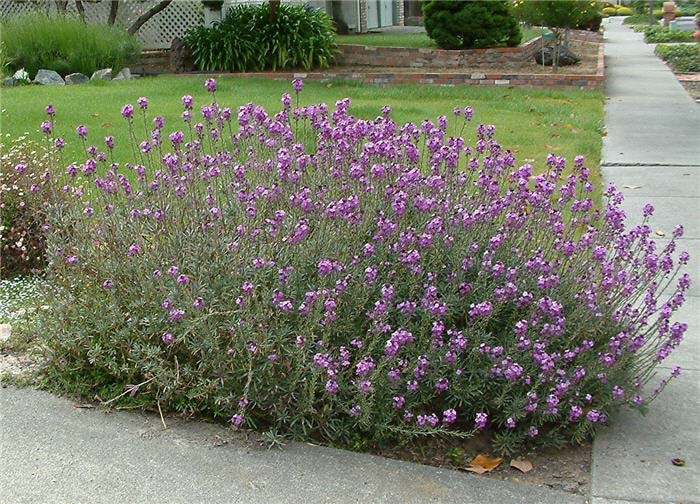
(631, 186)
(678, 462)
(552, 147)
(482, 464)
(522, 465)
(660, 233)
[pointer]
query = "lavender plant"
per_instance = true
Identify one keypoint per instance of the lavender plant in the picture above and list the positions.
(328, 277)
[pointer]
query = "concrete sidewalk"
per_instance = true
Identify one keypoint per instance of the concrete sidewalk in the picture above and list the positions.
(54, 453)
(653, 142)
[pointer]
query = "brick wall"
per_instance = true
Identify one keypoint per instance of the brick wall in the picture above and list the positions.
(361, 55)
(155, 60)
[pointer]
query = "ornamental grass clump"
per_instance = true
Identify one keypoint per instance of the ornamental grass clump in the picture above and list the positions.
(319, 276)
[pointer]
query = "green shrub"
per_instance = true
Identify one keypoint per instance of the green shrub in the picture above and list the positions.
(609, 11)
(680, 57)
(592, 22)
(65, 44)
(559, 14)
(637, 19)
(470, 24)
(327, 277)
(300, 37)
(656, 34)
(623, 11)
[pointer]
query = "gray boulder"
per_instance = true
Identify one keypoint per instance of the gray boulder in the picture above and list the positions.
(77, 78)
(104, 74)
(46, 77)
(566, 57)
(21, 75)
(8, 82)
(124, 74)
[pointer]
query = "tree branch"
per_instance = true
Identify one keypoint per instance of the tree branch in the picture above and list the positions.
(148, 15)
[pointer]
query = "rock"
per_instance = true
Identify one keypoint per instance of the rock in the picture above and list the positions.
(77, 78)
(8, 82)
(104, 74)
(46, 77)
(21, 75)
(566, 57)
(5, 331)
(124, 74)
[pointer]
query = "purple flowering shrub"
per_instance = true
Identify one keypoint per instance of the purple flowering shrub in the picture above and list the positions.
(328, 277)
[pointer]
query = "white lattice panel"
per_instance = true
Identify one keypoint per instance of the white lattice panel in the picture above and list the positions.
(157, 33)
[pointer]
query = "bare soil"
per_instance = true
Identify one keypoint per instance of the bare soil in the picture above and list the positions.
(567, 469)
(693, 89)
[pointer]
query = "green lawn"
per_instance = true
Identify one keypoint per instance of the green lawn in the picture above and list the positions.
(408, 39)
(530, 122)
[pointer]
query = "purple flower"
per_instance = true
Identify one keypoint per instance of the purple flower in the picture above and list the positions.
(355, 410)
(72, 260)
(198, 303)
(648, 210)
(297, 85)
(109, 142)
(50, 110)
(481, 420)
(107, 284)
(237, 419)
(332, 387)
(167, 338)
(210, 84)
(134, 249)
(46, 127)
(183, 279)
(142, 102)
(128, 111)
(20, 168)
(449, 416)
(187, 102)
(510, 423)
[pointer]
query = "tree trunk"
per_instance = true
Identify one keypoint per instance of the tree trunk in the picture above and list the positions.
(81, 9)
(134, 28)
(274, 8)
(113, 9)
(62, 6)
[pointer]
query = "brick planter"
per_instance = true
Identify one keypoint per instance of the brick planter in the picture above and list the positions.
(412, 57)
(430, 66)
